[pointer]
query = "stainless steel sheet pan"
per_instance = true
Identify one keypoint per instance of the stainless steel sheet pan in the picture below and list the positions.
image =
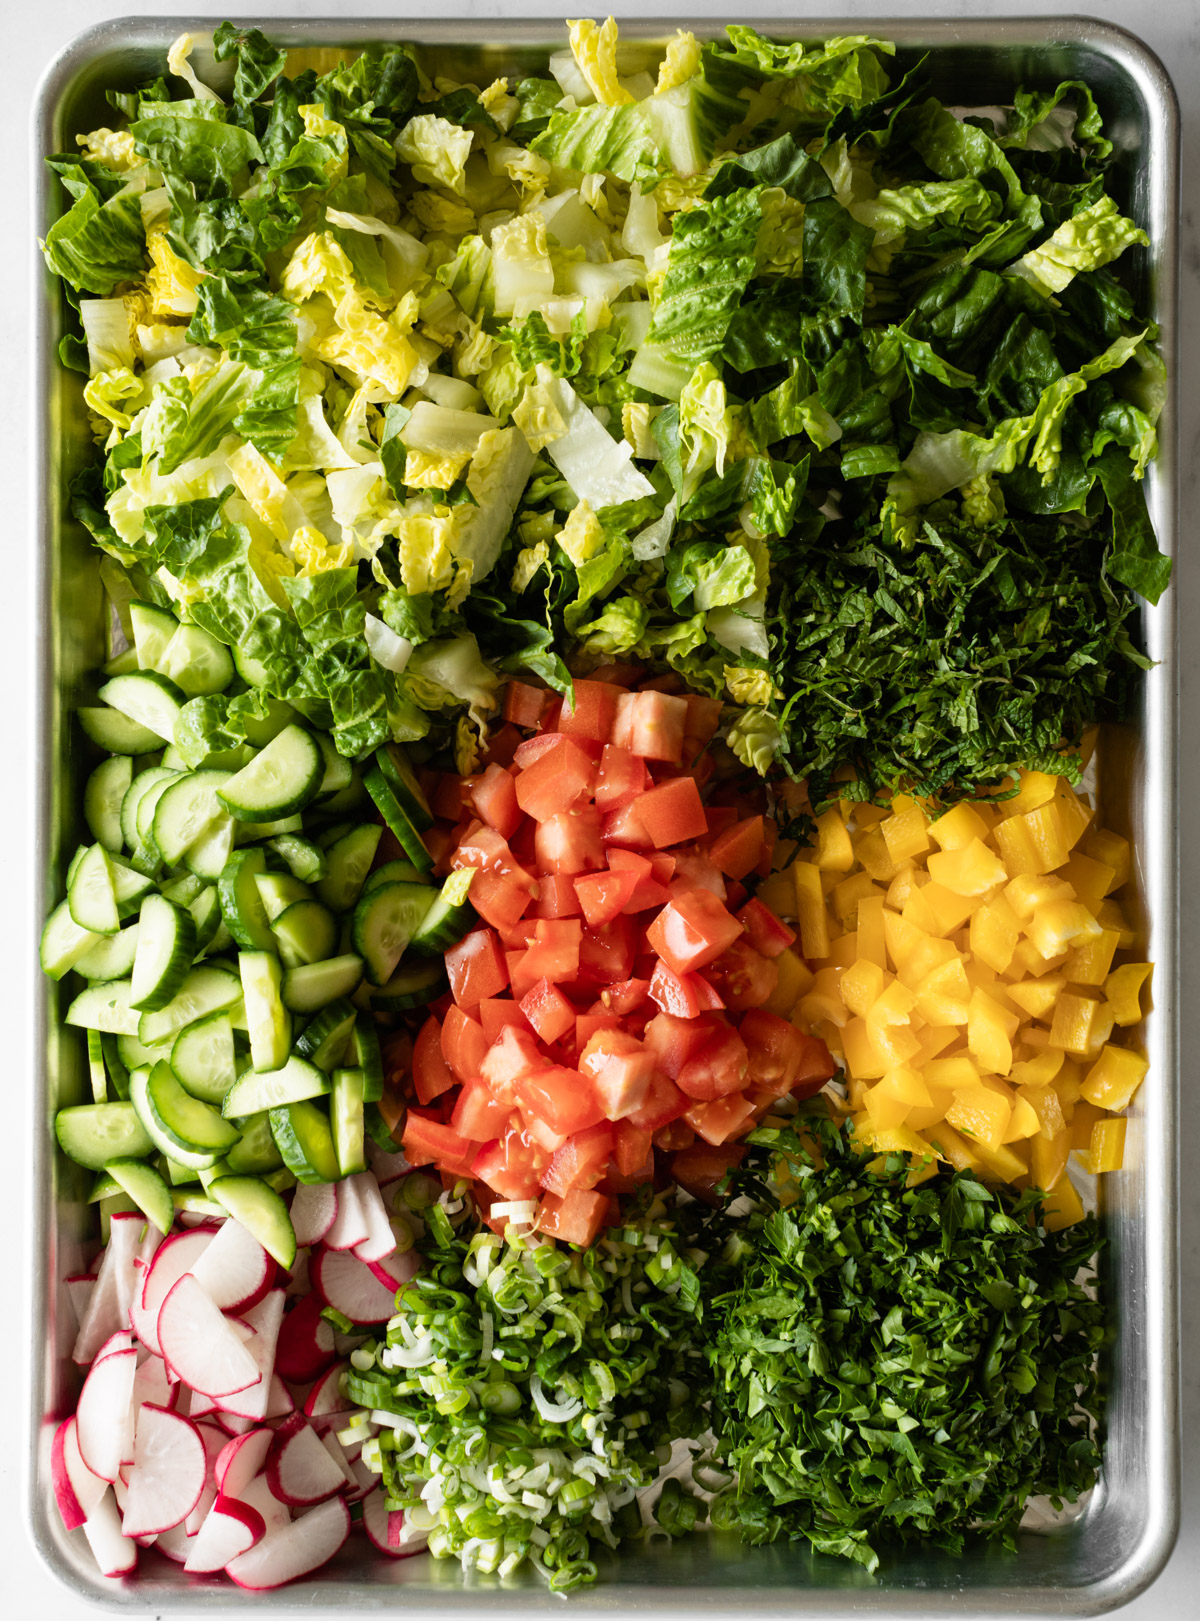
(1116, 1547)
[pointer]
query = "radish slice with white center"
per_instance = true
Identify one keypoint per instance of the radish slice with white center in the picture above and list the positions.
(380, 1240)
(235, 1269)
(306, 1343)
(298, 1276)
(201, 1345)
(260, 1496)
(265, 1319)
(174, 1256)
(349, 1286)
(279, 1402)
(350, 1224)
(115, 1553)
(174, 1543)
(214, 1439)
(230, 1529)
(239, 1461)
(326, 1397)
(299, 1470)
(152, 1385)
(112, 1294)
(122, 1340)
(76, 1489)
(198, 1406)
(169, 1472)
(314, 1207)
(296, 1550)
(367, 1479)
(386, 1527)
(234, 1423)
(79, 1292)
(394, 1271)
(193, 1522)
(387, 1167)
(104, 1414)
(331, 1444)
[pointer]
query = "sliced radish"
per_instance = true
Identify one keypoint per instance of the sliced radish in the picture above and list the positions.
(314, 1207)
(265, 1319)
(234, 1423)
(122, 1340)
(332, 1445)
(298, 1283)
(380, 1240)
(386, 1166)
(299, 1470)
(279, 1402)
(235, 1270)
(306, 1344)
(174, 1543)
(104, 1415)
(240, 1460)
(191, 1525)
(230, 1529)
(79, 1292)
(367, 1480)
(108, 1306)
(174, 1256)
(351, 1287)
(260, 1496)
(326, 1395)
(299, 1549)
(198, 1406)
(77, 1490)
(201, 1345)
(386, 1527)
(214, 1439)
(152, 1385)
(350, 1224)
(394, 1271)
(115, 1553)
(169, 1471)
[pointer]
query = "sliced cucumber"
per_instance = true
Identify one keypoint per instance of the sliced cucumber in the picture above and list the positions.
(392, 872)
(93, 1133)
(349, 860)
(165, 949)
(153, 628)
(180, 1125)
(264, 729)
(252, 671)
(189, 1203)
(346, 1105)
(197, 662)
(146, 1188)
(385, 920)
(138, 788)
(256, 1154)
(206, 989)
(203, 1058)
(106, 788)
(315, 985)
(254, 832)
(306, 932)
(90, 892)
(279, 781)
(122, 663)
(174, 760)
(350, 799)
(134, 1053)
(339, 772)
(105, 1007)
(64, 943)
(412, 986)
(278, 891)
(378, 1130)
(395, 816)
(261, 1211)
(116, 733)
(305, 860)
(324, 1039)
(267, 1020)
(97, 1074)
(186, 812)
(305, 1142)
(206, 915)
(179, 1175)
(105, 1187)
(402, 780)
(118, 1072)
(210, 854)
(182, 890)
(364, 1053)
(129, 886)
(112, 957)
(448, 919)
(147, 698)
(255, 1090)
(241, 904)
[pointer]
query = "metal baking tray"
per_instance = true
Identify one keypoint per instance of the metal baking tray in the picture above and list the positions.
(1088, 1563)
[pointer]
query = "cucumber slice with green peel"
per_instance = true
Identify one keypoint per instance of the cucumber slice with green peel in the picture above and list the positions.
(208, 1174)
(265, 728)
(197, 663)
(112, 957)
(210, 854)
(134, 1054)
(326, 837)
(392, 872)
(254, 832)
(314, 985)
(187, 812)
(140, 785)
(106, 1007)
(147, 806)
(385, 920)
(178, 1175)
(115, 732)
(93, 1133)
(351, 799)
(206, 989)
(204, 1059)
(73, 865)
(252, 671)
(189, 1203)
(122, 663)
(106, 789)
(346, 1113)
(448, 919)
(402, 780)
(221, 942)
(269, 1023)
(106, 1187)
(64, 943)
(305, 1142)
(118, 1072)
(165, 949)
(147, 1189)
(304, 859)
(147, 698)
(278, 891)
(397, 819)
(256, 1154)
(97, 1074)
(414, 985)
(306, 932)
(282, 1180)
(364, 1053)
(179, 1125)
(91, 896)
(292, 1082)
(278, 782)
(349, 861)
(129, 886)
(324, 1038)
(241, 904)
(182, 890)
(378, 1130)
(206, 915)
(339, 772)
(174, 760)
(153, 627)
(261, 1211)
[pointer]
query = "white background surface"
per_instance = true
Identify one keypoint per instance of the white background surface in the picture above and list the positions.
(36, 30)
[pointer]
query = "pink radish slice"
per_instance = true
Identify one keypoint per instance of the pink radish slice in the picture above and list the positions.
(230, 1529)
(199, 1514)
(298, 1277)
(260, 1496)
(394, 1271)
(380, 1240)
(326, 1395)
(239, 1461)
(214, 1439)
(350, 1224)
(234, 1423)
(198, 1406)
(367, 1480)
(152, 1385)
(386, 1166)
(279, 1402)
(79, 1292)
(169, 1471)
(265, 1319)
(104, 1415)
(174, 1543)
(122, 1340)
(333, 1446)
(314, 1207)
(114, 1553)
(76, 1489)
(385, 1526)
(297, 1550)
(299, 1470)
(108, 1306)
(175, 1256)
(201, 1345)
(306, 1343)
(235, 1269)
(351, 1287)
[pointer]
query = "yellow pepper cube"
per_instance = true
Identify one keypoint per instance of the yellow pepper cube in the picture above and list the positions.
(907, 878)
(1060, 926)
(1029, 892)
(866, 814)
(895, 1043)
(1075, 814)
(917, 911)
(884, 1107)
(902, 938)
(1063, 1207)
(1027, 959)
(1049, 1157)
(949, 911)
(858, 1050)
(862, 985)
(1008, 1162)
(1076, 1018)
(989, 1034)
(995, 930)
(872, 942)
(835, 853)
(1085, 1117)
(1112, 916)
(970, 869)
(958, 1151)
(1091, 880)
(1041, 1070)
(894, 1005)
(795, 978)
(908, 1085)
(778, 894)
(958, 827)
(1123, 988)
(943, 996)
(906, 831)
(847, 895)
(871, 850)
(1024, 1122)
(1037, 997)
(1068, 1083)
(1112, 851)
(934, 1039)
(1088, 964)
(1036, 788)
(810, 910)
(823, 1000)
(930, 954)
(898, 1140)
(1115, 1077)
(1106, 1152)
(1043, 1100)
(843, 952)
(1033, 843)
(950, 1074)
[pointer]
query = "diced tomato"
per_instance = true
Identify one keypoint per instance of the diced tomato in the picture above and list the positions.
(626, 997)
(428, 1142)
(555, 780)
(721, 1119)
(477, 1114)
(548, 1011)
(673, 813)
(702, 719)
(543, 1136)
(440, 841)
(518, 935)
(673, 1040)
(447, 798)
(743, 976)
(695, 869)
(676, 1134)
(700, 1169)
(464, 1044)
(684, 995)
(551, 715)
(719, 818)
(576, 1219)
(651, 724)
(476, 968)
(592, 713)
(663, 1103)
(494, 796)
(737, 850)
(620, 1069)
(606, 952)
(497, 899)
(631, 1150)
(817, 1065)
(521, 979)
(496, 1013)
(515, 1053)
(558, 897)
(618, 674)
(555, 952)
(525, 704)
(483, 848)
(563, 1098)
(693, 931)
(621, 778)
(580, 1162)
(587, 1024)
(431, 1073)
(736, 896)
(605, 895)
(510, 1167)
(502, 745)
(647, 891)
(533, 748)
(764, 931)
(625, 826)
(569, 842)
(719, 1067)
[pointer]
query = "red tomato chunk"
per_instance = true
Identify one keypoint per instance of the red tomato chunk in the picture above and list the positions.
(692, 931)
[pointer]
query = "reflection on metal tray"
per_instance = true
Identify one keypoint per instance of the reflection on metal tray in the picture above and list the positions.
(1119, 1543)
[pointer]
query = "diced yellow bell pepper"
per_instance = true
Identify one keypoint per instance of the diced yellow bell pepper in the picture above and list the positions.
(902, 938)
(988, 1034)
(894, 1005)
(859, 1052)
(1115, 1077)
(950, 911)
(895, 1043)
(1024, 1122)
(934, 1039)
(1027, 959)
(810, 910)
(907, 877)
(896, 1140)
(1091, 880)
(872, 851)
(1029, 892)
(795, 978)
(835, 853)
(995, 930)
(943, 996)
(951, 1074)
(1049, 1157)
(847, 895)
(872, 942)
(908, 1085)
(958, 827)
(1112, 916)
(1075, 814)
(1076, 1020)
(1060, 926)
(1085, 1117)
(1106, 1152)
(856, 1094)
(969, 869)
(1043, 1100)
(1088, 964)
(1123, 988)
(1036, 788)
(1037, 997)
(1113, 851)
(931, 953)
(884, 1107)
(920, 1170)
(906, 831)
(1068, 1083)
(1035, 842)
(1063, 1207)
(951, 1147)
(1039, 1071)
(843, 951)
(862, 985)
(823, 1000)
(868, 815)
(1007, 1163)
(778, 894)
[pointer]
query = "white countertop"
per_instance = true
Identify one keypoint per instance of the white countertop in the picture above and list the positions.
(37, 33)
